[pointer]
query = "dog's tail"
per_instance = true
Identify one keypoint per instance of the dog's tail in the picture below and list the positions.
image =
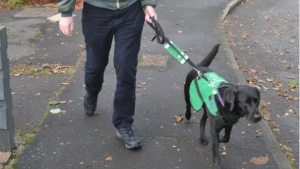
(207, 60)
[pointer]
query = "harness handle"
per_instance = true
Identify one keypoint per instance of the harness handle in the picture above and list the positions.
(160, 36)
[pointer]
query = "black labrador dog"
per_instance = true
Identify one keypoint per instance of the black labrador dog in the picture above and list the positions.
(239, 101)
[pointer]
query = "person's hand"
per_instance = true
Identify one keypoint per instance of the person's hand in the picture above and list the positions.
(66, 25)
(149, 12)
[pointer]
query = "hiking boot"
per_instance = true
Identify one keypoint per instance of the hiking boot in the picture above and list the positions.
(90, 105)
(129, 137)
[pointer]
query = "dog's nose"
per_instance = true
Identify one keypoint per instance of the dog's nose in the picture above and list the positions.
(257, 116)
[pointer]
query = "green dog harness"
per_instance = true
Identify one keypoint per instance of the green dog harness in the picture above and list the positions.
(202, 91)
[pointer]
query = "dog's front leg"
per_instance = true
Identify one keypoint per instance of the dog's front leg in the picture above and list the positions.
(226, 137)
(203, 139)
(215, 130)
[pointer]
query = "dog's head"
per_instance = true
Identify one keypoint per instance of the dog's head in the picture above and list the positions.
(244, 100)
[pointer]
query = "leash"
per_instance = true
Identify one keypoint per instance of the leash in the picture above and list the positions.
(177, 52)
(161, 39)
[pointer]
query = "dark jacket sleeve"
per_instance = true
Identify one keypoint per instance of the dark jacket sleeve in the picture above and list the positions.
(149, 3)
(66, 7)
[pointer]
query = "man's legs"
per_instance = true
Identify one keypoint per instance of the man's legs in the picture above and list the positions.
(98, 27)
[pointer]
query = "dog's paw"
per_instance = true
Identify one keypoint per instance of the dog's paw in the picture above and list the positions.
(224, 140)
(203, 141)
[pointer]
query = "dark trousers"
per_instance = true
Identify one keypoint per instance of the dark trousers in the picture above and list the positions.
(99, 26)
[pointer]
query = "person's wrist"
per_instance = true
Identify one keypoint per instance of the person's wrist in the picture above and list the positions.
(66, 14)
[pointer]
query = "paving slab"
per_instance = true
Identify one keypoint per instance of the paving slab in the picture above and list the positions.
(31, 95)
(153, 60)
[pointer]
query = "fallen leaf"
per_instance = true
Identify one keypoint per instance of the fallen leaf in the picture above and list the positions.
(62, 102)
(269, 80)
(142, 83)
(245, 35)
(287, 148)
(276, 89)
(223, 151)
(64, 83)
(287, 67)
(53, 102)
(179, 31)
(267, 117)
(179, 118)
(252, 72)
(139, 86)
(258, 133)
(265, 88)
(289, 154)
(260, 160)
(179, 160)
(293, 84)
(108, 158)
(55, 111)
(38, 94)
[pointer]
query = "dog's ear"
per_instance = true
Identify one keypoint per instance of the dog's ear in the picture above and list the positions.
(230, 97)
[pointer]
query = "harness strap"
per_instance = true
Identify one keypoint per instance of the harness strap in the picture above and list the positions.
(198, 90)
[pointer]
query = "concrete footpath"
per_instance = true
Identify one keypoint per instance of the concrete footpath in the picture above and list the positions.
(70, 139)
